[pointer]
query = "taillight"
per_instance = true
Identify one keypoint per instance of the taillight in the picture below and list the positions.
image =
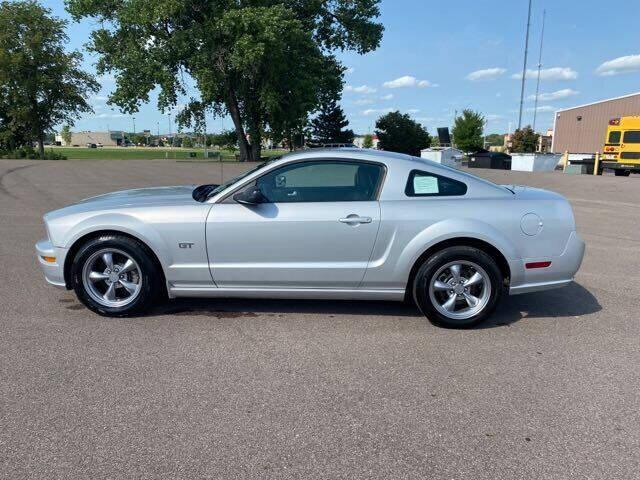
(537, 265)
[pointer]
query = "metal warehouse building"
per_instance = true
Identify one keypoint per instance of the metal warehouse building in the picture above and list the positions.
(108, 139)
(583, 129)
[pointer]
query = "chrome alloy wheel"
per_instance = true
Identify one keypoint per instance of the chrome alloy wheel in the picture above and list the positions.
(112, 278)
(460, 290)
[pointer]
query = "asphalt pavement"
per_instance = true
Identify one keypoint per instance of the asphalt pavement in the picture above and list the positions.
(548, 389)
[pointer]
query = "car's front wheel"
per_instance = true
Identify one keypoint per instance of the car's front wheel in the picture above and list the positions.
(115, 276)
(458, 287)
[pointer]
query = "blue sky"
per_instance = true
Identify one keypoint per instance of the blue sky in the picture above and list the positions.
(467, 55)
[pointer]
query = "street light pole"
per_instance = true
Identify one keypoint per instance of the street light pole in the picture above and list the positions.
(535, 107)
(524, 68)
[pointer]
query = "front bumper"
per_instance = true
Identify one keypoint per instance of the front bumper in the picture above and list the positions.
(53, 271)
(559, 274)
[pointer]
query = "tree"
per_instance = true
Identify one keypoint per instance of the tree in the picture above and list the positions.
(41, 84)
(468, 130)
(187, 142)
(397, 132)
(328, 125)
(367, 141)
(267, 63)
(226, 139)
(495, 139)
(524, 140)
(66, 135)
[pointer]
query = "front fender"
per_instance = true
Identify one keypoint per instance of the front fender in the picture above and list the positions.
(118, 222)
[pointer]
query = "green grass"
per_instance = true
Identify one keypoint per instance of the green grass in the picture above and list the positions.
(142, 153)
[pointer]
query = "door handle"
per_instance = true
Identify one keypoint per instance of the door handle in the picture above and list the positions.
(354, 219)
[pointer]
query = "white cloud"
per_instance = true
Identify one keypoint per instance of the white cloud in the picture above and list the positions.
(543, 109)
(627, 64)
(361, 89)
(557, 95)
(111, 115)
(486, 74)
(98, 98)
(364, 101)
(413, 110)
(350, 70)
(374, 111)
(387, 97)
(106, 78)
(426, 119)
(555, 73)
(407, 82)
(492, 117)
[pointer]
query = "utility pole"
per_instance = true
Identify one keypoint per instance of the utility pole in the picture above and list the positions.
(204, 121)
(535, 107)
(170, 136)
(524, 68)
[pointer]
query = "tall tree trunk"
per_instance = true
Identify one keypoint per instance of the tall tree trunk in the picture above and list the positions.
(246, 155)
(256, 150)
(41, 145)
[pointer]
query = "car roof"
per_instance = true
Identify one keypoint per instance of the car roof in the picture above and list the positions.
(398, 166)
(393, 160)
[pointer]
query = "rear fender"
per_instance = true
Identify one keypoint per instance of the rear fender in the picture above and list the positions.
(450, 230)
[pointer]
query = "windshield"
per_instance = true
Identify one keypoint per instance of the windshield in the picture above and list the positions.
(228, 183)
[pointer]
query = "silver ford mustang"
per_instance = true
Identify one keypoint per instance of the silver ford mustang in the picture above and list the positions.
(323, 224)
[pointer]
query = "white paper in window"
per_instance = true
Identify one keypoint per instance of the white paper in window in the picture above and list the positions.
(423, 185)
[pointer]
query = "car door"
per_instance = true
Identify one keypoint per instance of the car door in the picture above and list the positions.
(315, 228)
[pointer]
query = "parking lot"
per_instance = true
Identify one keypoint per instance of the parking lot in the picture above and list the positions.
(550, 388)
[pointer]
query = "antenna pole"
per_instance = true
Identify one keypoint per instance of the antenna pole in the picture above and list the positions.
(535, 108)
(524, 68)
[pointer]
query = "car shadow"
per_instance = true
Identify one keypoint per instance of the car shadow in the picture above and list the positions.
(571, 301)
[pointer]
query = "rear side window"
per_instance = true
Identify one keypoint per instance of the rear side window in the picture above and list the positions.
(632, 136)
(424, 184)
(614, 137)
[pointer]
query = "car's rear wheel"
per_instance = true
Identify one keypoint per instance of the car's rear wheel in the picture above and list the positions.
(458, 287)
(116, 276)
(622, 173)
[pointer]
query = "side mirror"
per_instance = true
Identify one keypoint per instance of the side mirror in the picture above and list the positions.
(251, 196)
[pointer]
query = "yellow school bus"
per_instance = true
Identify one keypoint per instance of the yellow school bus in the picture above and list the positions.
(621, 151)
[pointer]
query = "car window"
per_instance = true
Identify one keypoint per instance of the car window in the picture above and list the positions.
(424, 184)
(322, 181)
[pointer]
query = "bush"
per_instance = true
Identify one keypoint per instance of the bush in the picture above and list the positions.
(30, 154)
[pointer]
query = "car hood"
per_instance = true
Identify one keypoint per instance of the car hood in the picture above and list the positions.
(142, 196)
(154, 196)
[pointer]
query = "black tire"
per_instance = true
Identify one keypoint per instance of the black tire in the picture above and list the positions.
(152, 287)
(622, 173)
(427, 271)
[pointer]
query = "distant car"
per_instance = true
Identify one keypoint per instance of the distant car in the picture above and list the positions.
(91, 145)
(99, 145)
(344, 224)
